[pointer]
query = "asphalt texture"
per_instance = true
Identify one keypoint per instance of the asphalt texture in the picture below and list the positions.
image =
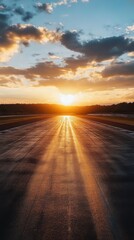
(66, 178)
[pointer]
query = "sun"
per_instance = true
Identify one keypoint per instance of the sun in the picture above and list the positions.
(67, 99)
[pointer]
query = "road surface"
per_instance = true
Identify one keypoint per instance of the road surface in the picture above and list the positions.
(66, 178)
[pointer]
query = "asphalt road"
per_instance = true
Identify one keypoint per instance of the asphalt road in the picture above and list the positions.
(66, 178)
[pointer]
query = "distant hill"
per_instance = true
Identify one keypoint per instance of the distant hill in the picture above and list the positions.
(20, 109)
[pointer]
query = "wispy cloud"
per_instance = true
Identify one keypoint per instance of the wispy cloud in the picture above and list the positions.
(122, 69)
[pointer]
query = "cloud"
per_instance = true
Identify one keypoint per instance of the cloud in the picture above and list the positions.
(73, 64)
(71, 40)
(131, 54)
(14, 35)
(49, 70)
(60, 3)
(130, 28)
(19, 10)
(46, 7)
(130, 95)
(66, 86)
(10, 81)
(85, 1)
(7, 47)
(53, 56)
(120, 82)
(74, 1)
(49, 7)
(26, 15)
(35, 54)
(98, 49)
(72, 86)
(121, 69)
(4, 21)
(50, 74)
(42, 70)
(31, 33)
(3, 7)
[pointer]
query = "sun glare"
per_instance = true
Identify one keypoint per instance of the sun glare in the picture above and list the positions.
(67, 99)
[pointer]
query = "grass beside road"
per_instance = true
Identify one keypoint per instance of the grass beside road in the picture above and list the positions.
(123, 122)
(14, 121)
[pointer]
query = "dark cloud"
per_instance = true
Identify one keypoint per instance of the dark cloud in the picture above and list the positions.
(71, 40)
(119, 69)
(98, 49)
(19, 11)
(44, 70)
(74, 63)
(26, 15)
(51, 54)
(4, 21)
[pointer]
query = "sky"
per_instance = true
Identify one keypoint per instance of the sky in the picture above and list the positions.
(50, 50)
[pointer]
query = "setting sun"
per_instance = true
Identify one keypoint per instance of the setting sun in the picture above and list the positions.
(67, 99)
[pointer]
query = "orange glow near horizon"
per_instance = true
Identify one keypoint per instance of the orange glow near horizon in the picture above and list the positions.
(67, 99)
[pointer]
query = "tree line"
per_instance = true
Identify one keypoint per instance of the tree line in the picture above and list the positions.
(24, 109)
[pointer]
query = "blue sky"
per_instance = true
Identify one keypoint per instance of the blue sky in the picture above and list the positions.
(50, 48)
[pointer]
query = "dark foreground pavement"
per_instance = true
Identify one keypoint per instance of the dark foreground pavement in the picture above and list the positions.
(66, 178)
